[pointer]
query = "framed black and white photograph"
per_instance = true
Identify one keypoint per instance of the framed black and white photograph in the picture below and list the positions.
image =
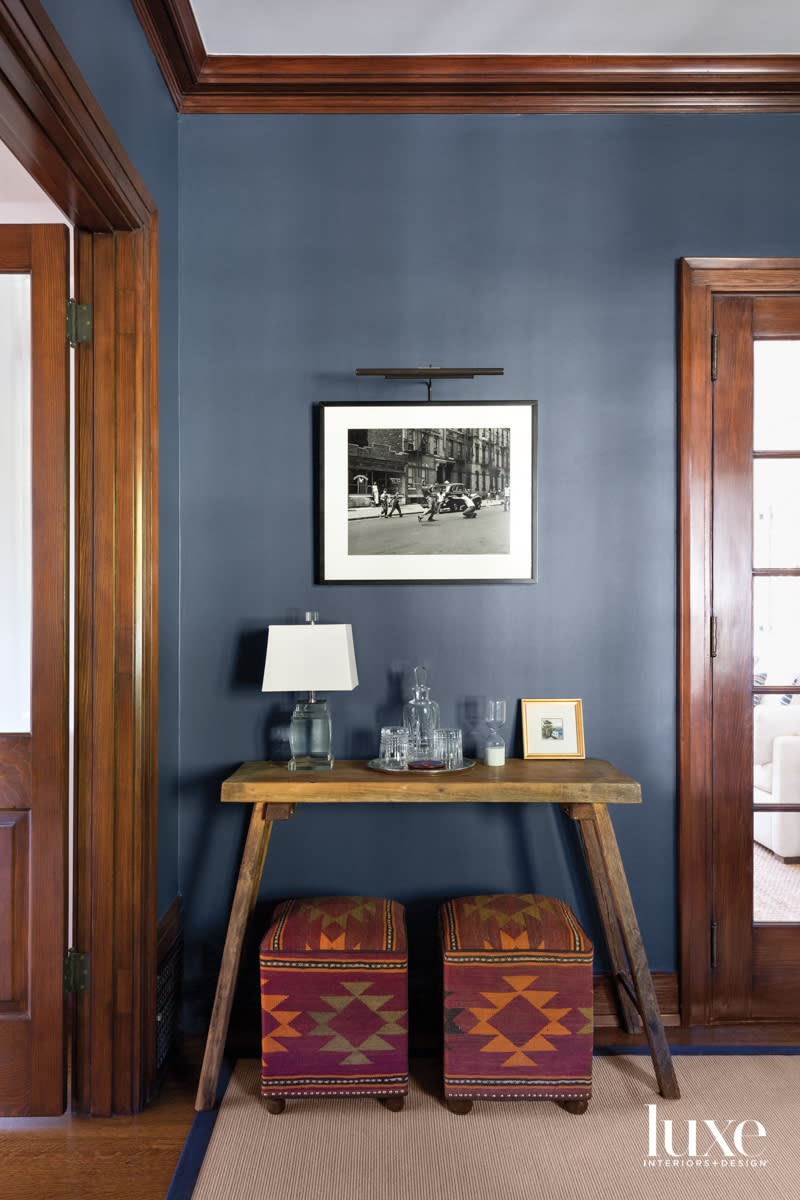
(414, 493)
(552, 729)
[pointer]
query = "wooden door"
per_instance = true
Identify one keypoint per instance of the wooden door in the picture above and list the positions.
(34, 754)
(739, 606)
(756, 664)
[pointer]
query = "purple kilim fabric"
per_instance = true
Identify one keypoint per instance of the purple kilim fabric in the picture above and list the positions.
(518, 1019)
(334, 999)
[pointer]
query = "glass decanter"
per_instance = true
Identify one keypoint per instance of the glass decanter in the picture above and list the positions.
(495, 745)
(421, 717)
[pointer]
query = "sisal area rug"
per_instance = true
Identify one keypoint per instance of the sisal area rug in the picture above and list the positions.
(776, 887)
(734, 1134)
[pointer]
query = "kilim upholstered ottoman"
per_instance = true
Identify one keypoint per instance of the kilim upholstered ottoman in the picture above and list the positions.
(518, 1002)
(334, 1000)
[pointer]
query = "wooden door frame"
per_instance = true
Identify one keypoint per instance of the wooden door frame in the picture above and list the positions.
(53, 125)
(700, 279)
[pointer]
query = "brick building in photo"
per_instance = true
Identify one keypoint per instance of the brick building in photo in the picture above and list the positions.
(409, 461)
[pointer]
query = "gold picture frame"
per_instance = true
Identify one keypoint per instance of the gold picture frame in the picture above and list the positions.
(552, 729)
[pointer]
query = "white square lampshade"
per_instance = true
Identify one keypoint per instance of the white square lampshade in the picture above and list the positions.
(310, 658)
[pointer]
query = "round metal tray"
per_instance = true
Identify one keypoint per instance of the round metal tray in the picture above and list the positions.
(374, 764)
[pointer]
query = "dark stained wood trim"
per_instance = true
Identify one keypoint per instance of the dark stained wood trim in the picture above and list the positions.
(606, 1008)
(50, 655)
(495, 84)
(175, 40)
(732, 703)
(776, 973)
(52, 123)
(694, 664)
(116, 798)
(480, 83)
(699, 280)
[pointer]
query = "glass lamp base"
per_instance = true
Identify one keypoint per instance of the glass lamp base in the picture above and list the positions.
(310, 737)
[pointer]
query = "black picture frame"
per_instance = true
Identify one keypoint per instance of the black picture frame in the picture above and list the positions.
(465, 479)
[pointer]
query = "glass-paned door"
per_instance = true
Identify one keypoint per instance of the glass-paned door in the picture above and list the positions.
(776, 630)
(756, 668)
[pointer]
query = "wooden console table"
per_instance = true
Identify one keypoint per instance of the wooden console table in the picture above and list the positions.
(582, 787)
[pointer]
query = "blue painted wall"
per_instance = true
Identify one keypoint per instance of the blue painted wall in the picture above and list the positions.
(108, 45)
(295, 249)
(314, 245)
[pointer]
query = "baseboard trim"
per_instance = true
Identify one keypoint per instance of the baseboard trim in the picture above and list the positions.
(606, 1013)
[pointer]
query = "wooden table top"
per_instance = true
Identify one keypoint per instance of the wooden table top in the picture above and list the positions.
(524, 781)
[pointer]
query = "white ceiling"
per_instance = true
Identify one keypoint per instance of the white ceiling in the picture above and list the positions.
(277, 27)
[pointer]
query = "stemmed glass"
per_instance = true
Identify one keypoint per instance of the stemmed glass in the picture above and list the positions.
(495, 745)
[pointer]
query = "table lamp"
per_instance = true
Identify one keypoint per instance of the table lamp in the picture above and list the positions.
(310, 658)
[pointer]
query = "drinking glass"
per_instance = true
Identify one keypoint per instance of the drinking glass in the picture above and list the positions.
(393, 753)
(447, 747)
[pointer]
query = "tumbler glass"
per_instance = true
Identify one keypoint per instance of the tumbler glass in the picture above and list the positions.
(393, 753)
(447, 747)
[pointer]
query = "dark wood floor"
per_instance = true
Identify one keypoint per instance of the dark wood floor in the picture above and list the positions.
(90, 1158)
(133, 1158)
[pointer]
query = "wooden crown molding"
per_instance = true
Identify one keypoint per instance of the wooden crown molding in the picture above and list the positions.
(494, 83)
(171, 30)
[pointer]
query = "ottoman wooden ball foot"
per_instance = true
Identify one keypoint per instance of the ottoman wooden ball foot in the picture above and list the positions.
(518, 1001)
(334, 1000)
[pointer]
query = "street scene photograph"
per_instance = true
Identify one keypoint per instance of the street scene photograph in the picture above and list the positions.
(428, 491)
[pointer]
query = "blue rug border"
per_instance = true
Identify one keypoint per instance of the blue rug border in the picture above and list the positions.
(194, 1150)
(196, 1144)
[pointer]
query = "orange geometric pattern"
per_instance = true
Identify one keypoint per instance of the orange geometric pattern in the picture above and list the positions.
(283, 1023)
(501, 1043)
(333, 943)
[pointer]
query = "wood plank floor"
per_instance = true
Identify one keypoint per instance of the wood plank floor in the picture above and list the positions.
(94, 1158)
(133, 1158)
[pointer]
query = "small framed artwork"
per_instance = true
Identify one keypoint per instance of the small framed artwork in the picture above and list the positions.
(552, 729)
(418, 493)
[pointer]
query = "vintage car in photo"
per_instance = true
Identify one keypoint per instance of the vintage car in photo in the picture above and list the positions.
(454, 498)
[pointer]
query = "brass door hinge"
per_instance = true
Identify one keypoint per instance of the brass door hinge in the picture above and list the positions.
(79, 323)
(714, 346)
(76, 971)
(713, 638)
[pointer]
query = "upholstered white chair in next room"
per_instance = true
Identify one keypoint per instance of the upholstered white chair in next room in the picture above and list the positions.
(776, 776)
